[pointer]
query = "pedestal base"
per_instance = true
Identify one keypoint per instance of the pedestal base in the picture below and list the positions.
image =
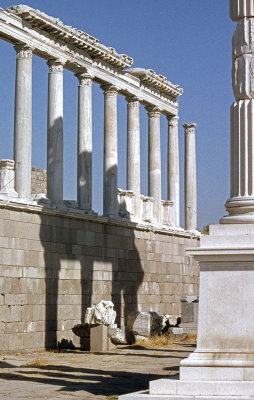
(222, 367)
(163, 389)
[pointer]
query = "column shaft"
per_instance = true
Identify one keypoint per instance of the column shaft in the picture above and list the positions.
(133, 151)
(84, 160)
(154, 159)
(23, 121)
(55, 132)
(190, 183)
(110, 203)
(173, 167)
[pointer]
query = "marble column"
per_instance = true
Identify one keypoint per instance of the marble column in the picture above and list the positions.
(23, 121)
(240, 205)
(133, 151)
(110, 166)
(173, 167)
(154, 159)
(55, 132)
(190, 182)
(84, 160)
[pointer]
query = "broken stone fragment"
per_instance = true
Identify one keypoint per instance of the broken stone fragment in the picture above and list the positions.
(100, 314)
(116, 335)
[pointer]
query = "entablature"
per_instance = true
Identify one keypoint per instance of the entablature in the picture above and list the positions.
(79, 52)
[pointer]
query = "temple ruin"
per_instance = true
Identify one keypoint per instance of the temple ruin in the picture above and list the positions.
(59, 257)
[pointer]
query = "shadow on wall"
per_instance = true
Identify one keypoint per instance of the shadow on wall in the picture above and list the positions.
(85, 262)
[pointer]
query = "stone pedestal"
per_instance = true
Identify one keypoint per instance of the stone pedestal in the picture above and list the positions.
(126, 201)
(99, 340)
(7, 176)
(189, 315)
(222, 366)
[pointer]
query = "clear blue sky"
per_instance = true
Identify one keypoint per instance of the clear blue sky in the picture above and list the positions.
(187, 41)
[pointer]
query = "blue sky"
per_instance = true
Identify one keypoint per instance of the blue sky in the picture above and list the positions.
(187, 41)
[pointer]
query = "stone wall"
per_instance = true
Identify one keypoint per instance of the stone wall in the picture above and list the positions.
(54, 264)
(39, 181)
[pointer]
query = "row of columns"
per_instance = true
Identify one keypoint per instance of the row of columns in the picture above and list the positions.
(23, 137)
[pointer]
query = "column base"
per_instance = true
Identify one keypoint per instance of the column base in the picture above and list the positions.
(240, 209)
(163, 389)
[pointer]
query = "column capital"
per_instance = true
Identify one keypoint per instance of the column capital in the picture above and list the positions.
(109, 90)
(85, 78)
(55, 66)
(132, 101)
(190, 127)
(172, 120)
(153, 111)
(23, 51)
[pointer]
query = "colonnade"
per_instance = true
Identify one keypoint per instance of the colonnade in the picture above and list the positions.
(23, 139)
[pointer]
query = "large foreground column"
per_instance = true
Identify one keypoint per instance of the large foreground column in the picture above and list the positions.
(190, 179)
(23, 121)
(55, 132)
(240, 206)
(173, 167)
(154, 159)
(133, 151)
(110, 204)
(84, 160)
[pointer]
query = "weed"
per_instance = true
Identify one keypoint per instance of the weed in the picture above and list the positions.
(166, 341)
(37, 363)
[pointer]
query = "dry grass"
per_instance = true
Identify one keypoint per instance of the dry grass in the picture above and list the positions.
(166, 341)
(37, 363)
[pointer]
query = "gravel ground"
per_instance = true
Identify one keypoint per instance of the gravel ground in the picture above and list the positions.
(82, 375)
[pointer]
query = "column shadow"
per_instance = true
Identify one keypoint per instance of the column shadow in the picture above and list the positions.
(71, 245)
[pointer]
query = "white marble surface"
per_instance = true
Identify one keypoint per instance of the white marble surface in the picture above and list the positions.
(23, 121)
(190, 177)
(85, 148)
(173, 168)
(55, 132)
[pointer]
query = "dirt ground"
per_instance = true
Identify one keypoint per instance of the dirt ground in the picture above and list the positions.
(82, 375)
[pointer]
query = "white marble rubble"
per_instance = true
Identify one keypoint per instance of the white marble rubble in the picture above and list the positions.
(102, 313)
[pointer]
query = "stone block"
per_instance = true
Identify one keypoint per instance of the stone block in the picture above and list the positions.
(99, 341)
(144, 323)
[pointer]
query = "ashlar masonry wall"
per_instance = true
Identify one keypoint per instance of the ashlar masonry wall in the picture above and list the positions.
(55, 263)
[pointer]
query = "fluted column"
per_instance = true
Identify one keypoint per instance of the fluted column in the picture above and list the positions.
(154, 159)
(133, 150)
(190, 183)
(173, 167)
(23, 121)
(110, 166)
(240, 206)
(55, 132)
(84, 159)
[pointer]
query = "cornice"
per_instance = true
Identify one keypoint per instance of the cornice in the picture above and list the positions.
(71, 35)
(15, 30)
(157, 81)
